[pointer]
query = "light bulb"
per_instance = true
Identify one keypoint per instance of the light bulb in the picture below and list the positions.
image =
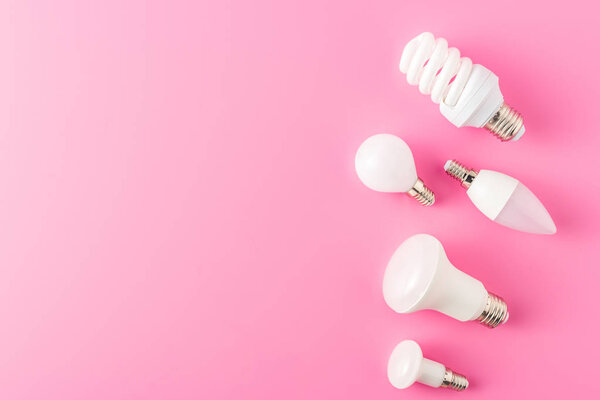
(407, 366)
(420, 277)
(468, 94)
(385, 163)
(503, 199)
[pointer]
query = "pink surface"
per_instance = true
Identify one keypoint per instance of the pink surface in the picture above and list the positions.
(181, 218)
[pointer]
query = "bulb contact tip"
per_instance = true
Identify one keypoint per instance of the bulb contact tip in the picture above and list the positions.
(448, 165)
(422, 193)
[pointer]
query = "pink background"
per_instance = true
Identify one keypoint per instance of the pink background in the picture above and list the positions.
(180, 217)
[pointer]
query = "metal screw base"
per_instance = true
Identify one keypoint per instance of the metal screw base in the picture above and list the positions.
(495, 311)
(422, 193)
(454, 381)
(506, 123)
(461, 173)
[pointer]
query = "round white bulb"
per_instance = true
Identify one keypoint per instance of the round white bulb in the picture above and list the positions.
(385, 163)
(419, 276)
(407, 365)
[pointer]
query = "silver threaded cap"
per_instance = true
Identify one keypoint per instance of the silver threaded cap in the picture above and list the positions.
(422, 193)
(495, 311)
(454, 381)
(506, 123)
(461, 173)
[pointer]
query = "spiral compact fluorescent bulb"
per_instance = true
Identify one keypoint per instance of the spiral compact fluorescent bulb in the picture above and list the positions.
(468, 94)
(503, 199)
(384, 163)
(407, 366)
(420, 277)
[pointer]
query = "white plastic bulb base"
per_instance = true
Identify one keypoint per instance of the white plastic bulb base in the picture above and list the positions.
(407, 365)
(384, 163)
(503, 199)
(419, 276)
(481, 105)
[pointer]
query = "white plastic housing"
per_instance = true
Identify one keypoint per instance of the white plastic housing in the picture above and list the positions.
(419, 276)
(407, 365)
(385, 163)
(480, 100)
(505, 200)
